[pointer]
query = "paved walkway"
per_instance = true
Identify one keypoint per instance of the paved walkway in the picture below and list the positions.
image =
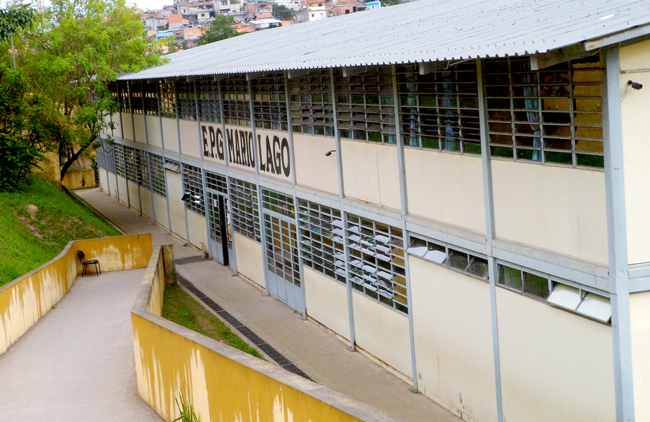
(325, 359)
(76, 363)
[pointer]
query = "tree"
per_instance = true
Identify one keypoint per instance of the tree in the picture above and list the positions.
(77, 47)
(283, 12)
(220, 28)
(13, 19)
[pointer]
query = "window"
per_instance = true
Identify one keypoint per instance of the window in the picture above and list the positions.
(270, 102)
(185, 100)
(321, 239)
(439, 110)
(124, 97)
(216, 182)
(193, 188)
(119, 160)
(278, 202)
(208, 98)
(365, 106)
(137, 104)
(132, 172)
(236, 101)
(106, 157)
(142, 163)
(245, 212)
(158, 175)
(150, 92)
(376, 261)
(552, 116)
(311, 104)
(441, 254)
(167, 99)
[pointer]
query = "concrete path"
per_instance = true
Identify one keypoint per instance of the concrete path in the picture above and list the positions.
(325, 359)
(77, 364)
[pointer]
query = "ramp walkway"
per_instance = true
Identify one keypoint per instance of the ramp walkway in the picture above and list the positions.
(76, 363)
(318, 354)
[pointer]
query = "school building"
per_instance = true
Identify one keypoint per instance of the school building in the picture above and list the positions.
(456, 188)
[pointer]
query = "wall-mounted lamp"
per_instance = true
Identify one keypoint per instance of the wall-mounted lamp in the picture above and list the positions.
(635, 85)
(328, 153)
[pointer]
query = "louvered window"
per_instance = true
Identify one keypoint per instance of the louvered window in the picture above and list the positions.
(270, 102)
(311, 104)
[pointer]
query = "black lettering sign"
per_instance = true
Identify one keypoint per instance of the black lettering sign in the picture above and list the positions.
(212, 139)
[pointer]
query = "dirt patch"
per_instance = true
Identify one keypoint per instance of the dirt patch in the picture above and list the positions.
(31, 211)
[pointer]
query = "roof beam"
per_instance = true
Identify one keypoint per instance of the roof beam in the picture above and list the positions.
(354, 70)
(296, 73)
(219, 77)
(553, 57)
(430, 67)
(618, 37)
(254, 75)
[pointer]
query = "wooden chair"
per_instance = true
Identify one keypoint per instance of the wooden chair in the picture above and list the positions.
(82, 256)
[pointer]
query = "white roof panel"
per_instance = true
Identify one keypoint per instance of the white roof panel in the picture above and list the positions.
(422, 31)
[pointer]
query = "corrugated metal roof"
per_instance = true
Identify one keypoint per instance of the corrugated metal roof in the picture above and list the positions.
(422, 31)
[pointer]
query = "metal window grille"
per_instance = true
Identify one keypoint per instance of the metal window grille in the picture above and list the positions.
(167, 94)
(132, 171)
(150, 92)
(365, 106)
(119, 160)
(137, 103)
(106, 157)
(245, 214)
(321, 239)
(193, 188)
(311, 104)
(282, 249)
(158, 175)
(216, 182)
(185, 100)
(441, 254)
(124, 97)
(215, 218)
(439, 110)
(209, 102)
(142, 161)
(549, 116)
(376, 261)
(270, 102)
(235, 97)
(278, 202)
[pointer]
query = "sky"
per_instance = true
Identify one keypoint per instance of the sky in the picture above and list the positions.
(142, 4)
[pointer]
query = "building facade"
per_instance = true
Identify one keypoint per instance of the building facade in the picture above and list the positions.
(476, 226)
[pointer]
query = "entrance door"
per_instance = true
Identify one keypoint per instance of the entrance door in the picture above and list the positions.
(220, 231)
(283, 269)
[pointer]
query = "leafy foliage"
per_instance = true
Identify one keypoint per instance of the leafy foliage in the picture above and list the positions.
(13, 19)
(283, 12)
(186, 410)
(221, 28)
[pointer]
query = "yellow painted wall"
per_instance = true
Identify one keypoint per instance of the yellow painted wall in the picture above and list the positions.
(640, 322)
(327, 302)
(121, 182)
(554, 208)
(445, 187)
(146, 202)
(382, 332)
(189, 138)
(198, 229)
(555, 366)
(176, 206)
(135, 198)
(127, 126)
(161, 210)
(453, 340)
(635, 108)
(370, 172)
(170, 132)
(80, 179)
(250, 262)
(50, 167)
(138, 125)
(153, 131)
(27, 299)
(313, 168)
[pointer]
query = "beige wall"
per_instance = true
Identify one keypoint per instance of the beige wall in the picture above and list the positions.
(127, 125)
(153, 131)
(382, 332)
(170, 132)
(189, 138)
(250, 262)
(313, 168)
(160, 204)
(135, 198)
(274, 159)
(146, 202)
(103, 180)
(370, 172)
(555, 366)
(554, 208)
(113, 182)
(327, 302)
(640, 322)
(138, 124)
(446, 187)
(198, 229)
(176, 206)
(117, 132)
(635, 107)
(453, 340)
(121, 182)
(79, 179)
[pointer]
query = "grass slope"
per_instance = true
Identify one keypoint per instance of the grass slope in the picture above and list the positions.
(37, 222)
(181, 308)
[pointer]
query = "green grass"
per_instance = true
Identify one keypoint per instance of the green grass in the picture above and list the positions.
(181, 308)
(37, 222)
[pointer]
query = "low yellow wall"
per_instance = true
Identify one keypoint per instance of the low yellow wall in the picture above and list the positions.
(27, 299)
(221, 383)
(79, 179)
